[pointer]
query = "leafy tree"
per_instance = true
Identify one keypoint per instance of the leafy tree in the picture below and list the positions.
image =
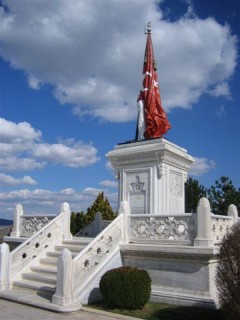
(194, 191)
(228, 274)
(80, 219)
(222, 194)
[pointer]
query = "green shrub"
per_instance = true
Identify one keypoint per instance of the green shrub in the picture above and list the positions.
(228, 274)
(125, 288)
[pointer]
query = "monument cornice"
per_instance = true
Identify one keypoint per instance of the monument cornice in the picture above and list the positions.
(151, 152)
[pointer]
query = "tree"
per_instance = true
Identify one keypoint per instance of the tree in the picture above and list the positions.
(101, 204)
(80, 219)
(228, 274)
(194, 191)
(222, 194)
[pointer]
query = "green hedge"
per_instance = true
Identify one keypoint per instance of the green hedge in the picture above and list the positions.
(125, 288)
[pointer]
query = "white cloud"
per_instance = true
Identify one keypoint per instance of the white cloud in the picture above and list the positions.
(201, 166)
(44, 201)
(22, 149)
(92, 53)
(7, 180)
(221, 89)
(109, 183)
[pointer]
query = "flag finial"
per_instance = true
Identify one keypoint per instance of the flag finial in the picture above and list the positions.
(148, 28)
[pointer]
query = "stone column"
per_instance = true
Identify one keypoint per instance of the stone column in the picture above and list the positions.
(5, 283)
(125, 210)
(17, 221)
(65, 209)
(64, 289)
(204, 236)
(233, 212)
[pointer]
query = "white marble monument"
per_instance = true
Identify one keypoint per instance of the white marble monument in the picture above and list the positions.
(151, 175)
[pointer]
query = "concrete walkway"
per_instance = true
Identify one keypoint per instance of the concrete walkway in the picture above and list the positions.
(15, 311)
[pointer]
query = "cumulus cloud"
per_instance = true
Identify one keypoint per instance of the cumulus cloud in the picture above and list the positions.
(44, 201)
(109, 183)
(23, 149)
(7, 180)
(91, 52)
(201, 166)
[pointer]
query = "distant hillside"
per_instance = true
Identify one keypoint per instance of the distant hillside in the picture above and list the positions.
(5, 222)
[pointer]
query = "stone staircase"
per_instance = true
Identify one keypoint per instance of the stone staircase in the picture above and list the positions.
(41, 279)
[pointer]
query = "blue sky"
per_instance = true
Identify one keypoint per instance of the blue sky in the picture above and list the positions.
(70, 76)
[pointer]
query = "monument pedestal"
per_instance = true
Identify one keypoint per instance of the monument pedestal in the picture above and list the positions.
(151, 175)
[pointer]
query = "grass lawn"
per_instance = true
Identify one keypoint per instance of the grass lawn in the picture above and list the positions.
(158, 311)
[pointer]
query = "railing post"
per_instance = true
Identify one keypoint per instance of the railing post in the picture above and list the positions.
(97, 223)
(125, 209)
(233, 212)
(65, 209)
(5, 282)
(204, 235)
(17, 221)
(64, 289)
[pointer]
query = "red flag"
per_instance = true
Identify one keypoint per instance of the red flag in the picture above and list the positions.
(152, 119)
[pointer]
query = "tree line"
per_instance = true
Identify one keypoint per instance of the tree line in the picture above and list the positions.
(220, 195)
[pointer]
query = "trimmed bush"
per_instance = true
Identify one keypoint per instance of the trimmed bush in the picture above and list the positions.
(228, 274)
(125, 288)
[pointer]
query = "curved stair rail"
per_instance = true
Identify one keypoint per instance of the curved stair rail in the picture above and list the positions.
(34, 248)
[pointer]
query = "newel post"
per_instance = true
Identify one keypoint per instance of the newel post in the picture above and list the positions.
(233, 212)
(64, 288)
(17, 221)
(204, 235)
(5, 261)
(125, 210)
(65, 209)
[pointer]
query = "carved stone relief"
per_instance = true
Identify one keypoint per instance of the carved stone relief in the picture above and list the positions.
(175, 184)
(137, 187)
(30, 225)
(167, 228)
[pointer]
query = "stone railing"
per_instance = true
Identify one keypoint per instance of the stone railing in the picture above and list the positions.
(102, 246)
(199, 229)
(163, 229)
(32, 249)
(27, 225)
(75, 274)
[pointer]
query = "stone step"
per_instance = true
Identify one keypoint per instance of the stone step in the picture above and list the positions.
(49, 261)
(56, 254)
(72, 248)
(78, 241)
(42, 279)
(32, 286)
(45, 269)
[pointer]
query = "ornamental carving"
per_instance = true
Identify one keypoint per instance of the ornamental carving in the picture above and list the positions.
(219, 227)
(96, 252)
(167, 228)
(175, 184)
(36, 245)
(31, 225)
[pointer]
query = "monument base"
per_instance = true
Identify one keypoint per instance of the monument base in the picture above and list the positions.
(180, 275)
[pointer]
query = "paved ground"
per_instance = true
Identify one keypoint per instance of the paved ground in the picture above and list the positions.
(15, 311)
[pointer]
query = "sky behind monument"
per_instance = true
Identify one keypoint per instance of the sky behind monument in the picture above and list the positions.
(70, 77)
